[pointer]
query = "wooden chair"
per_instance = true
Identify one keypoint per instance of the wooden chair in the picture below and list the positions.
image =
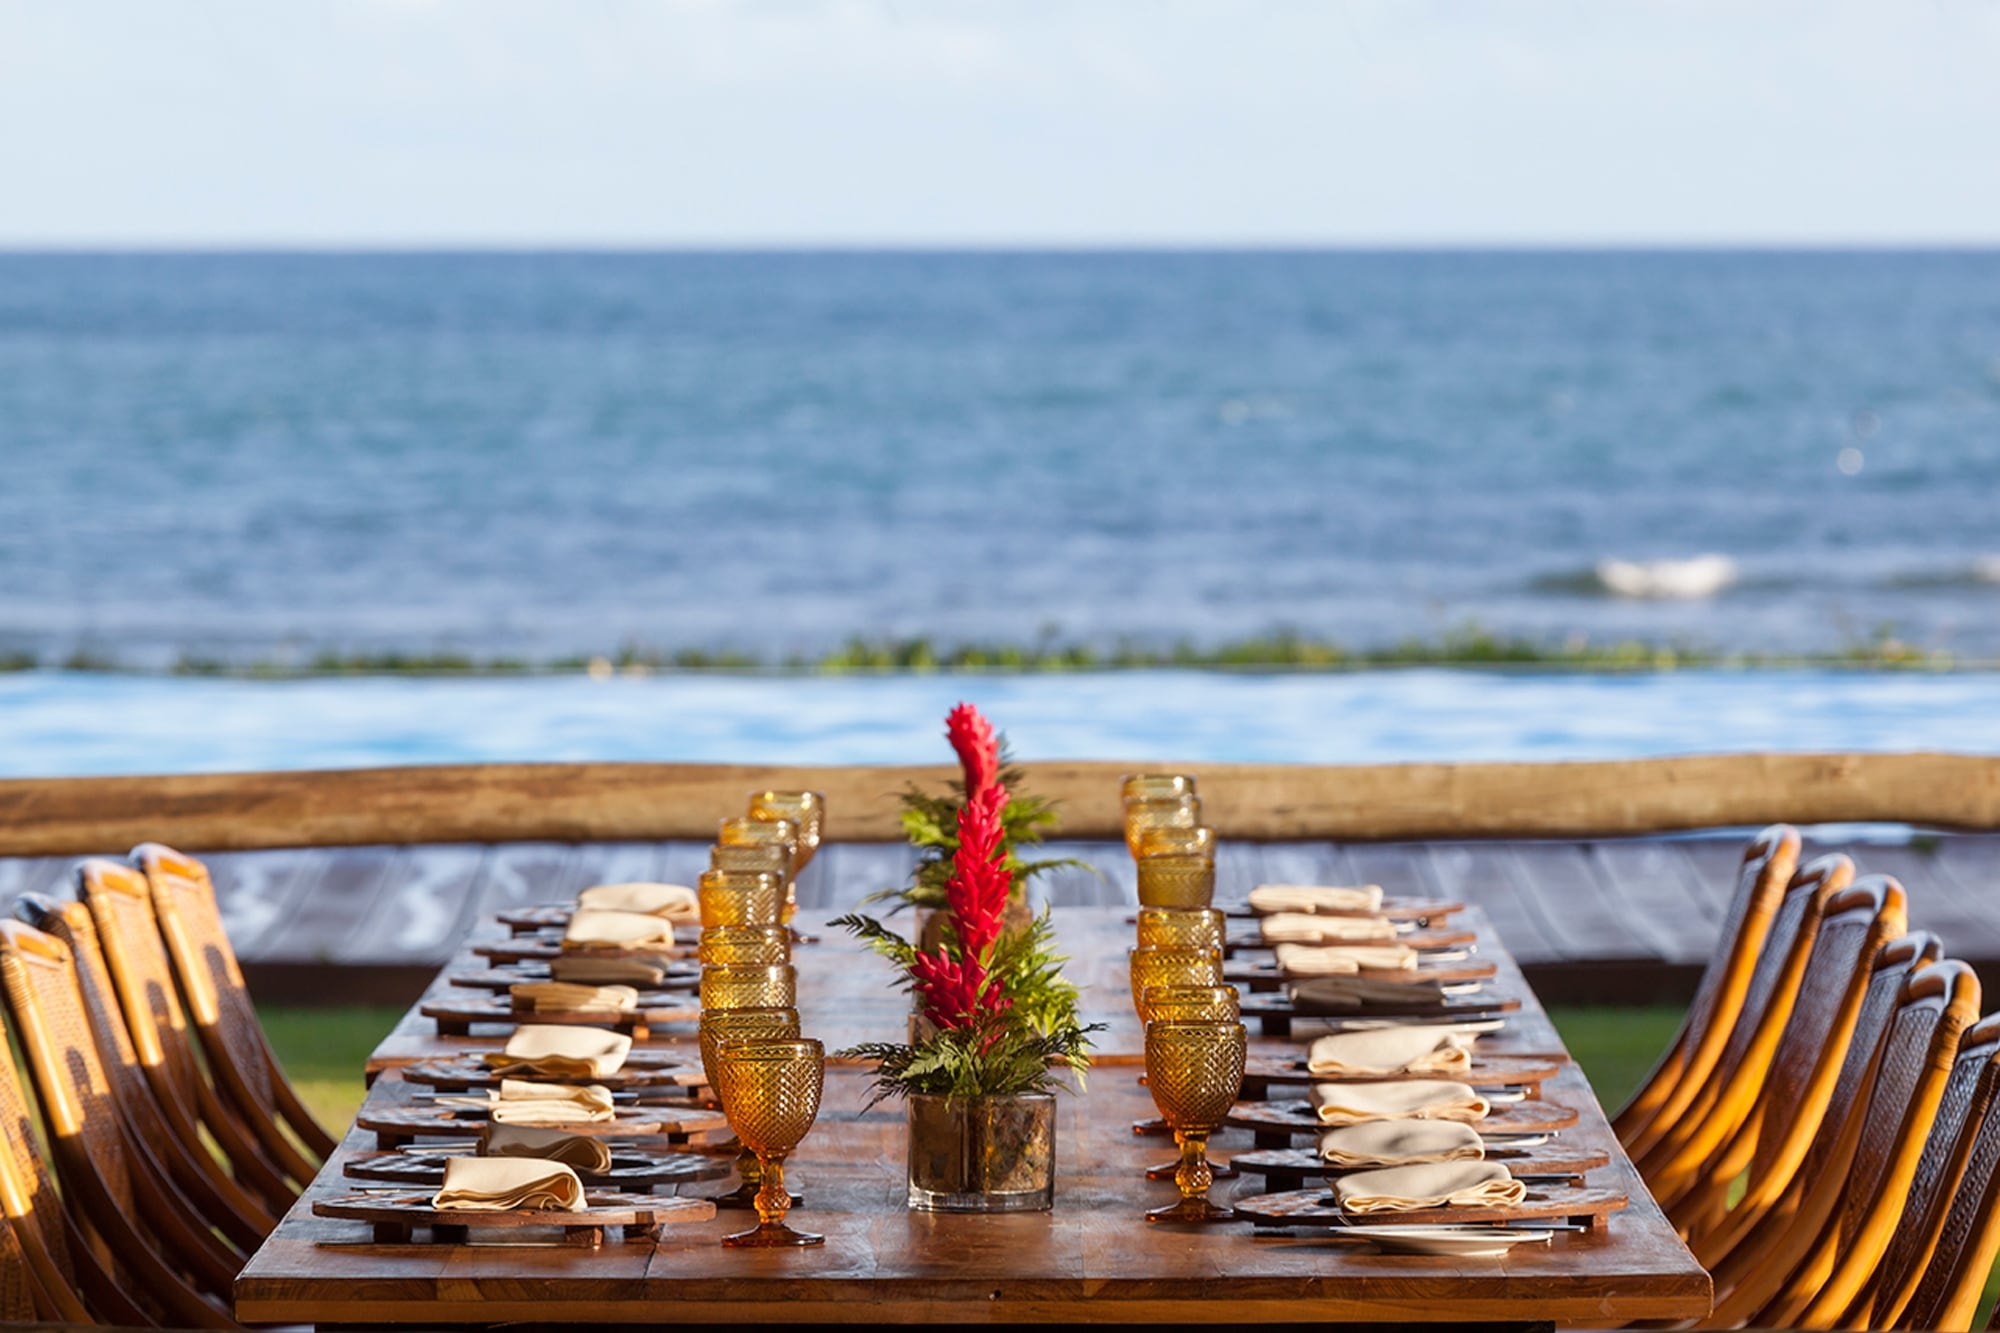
(134, 1218)
(219, 1003)
(1969, 1091)
(1680, 1159)
(1821, 1248)
(121, 906)
(160, 1130)
(1946, 1294)
(1846, 1002)
(1768, 863)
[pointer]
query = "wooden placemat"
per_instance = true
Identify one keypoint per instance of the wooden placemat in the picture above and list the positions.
(1421, 910)
(1290, 1168)
(1263, 975)
(464, 1072)
(631, 1171)
(1280, 1121)
(394, 1126)
(678, 977)
(1239, 940)
(1586, 1205)
(397, 1218)
(1491, 1071)
(455, 1018)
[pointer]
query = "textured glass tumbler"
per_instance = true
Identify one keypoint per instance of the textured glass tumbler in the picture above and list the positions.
(740, 898)
(745, 946)
(1181, 928)
(1194, 1071)
(770, 1095)
(1144, 786)
(1157, 966)
(1149, 812)
(718, 1026)
(805, 810)
(1176, 881)
(749, 987)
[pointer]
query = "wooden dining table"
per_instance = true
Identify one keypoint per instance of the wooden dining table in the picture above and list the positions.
(1093, 1259)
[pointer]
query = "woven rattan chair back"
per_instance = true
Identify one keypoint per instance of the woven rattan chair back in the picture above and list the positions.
(134, 1217)
(165, 1131)
(33, 1220)
(1680, 1161)
(121, 907)
(1953, 1274)
(1767, 866)
(1969, 1089)
(211, 983)
(1772, 1141)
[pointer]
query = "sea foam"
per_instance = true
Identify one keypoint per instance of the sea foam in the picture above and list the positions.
(1689, 580)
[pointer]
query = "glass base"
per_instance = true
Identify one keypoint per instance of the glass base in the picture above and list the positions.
(1166, 1170)
(771, 1235)
(1198, 1210)
(998, 1201)
(1154, 1126)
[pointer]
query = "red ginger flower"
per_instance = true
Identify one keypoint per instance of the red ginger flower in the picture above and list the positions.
(978, 752)
(955, 993)
(980, 882)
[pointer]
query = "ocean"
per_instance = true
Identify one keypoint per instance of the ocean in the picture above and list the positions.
(256, 459)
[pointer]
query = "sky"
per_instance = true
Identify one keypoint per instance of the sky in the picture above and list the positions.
(392, 123)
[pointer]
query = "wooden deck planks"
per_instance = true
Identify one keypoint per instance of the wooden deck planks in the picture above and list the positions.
(1650, 903)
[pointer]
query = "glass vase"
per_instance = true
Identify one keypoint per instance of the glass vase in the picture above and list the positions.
(983, 1154)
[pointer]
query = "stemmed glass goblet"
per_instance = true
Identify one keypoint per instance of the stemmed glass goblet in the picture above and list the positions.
(1194, 1071)
(770, 1090)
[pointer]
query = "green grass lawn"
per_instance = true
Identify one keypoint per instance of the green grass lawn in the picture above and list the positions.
(323, 1051)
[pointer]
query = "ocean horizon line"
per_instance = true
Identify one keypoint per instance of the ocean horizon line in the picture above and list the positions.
(472, 248)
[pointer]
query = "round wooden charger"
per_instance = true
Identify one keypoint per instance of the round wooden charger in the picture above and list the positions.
(469, 1071)
(677, 978)
(456, 1017)
(1549, 1159)
(1422, 910)
(635, 1171)
(395, 1217)
(523, 920)
(1588, 1205)
(1493, 1071)
(531, 949)
(403, 1123)
(1423, 941)
(1278, 1005)
(1297, 1117)
(1265, 976)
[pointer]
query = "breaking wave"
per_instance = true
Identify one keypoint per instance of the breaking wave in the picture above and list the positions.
(1689, 579)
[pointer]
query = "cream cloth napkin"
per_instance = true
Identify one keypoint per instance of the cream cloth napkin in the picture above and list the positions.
(1320, 960)
(588, 970)
(503, 1184)
(562, 1052)
(1268, 898)
(1345, 995)
(627, 929)
(1427, 1099)
(676, 902)
(567, 997)
(1401, 1143)
(548, 1145)
(1305, 928)
(1386, 1052)
(1402, 1189)
(520, 1102)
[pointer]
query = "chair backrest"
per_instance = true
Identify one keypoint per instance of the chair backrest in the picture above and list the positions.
(33, 1214)
(224, 1017)
(138, 1222)
(1767, 866)
(1968, 1091)
(1948, 1290)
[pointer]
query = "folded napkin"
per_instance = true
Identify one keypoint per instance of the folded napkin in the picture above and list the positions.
(590, 970)
(562, 1052)
(1386, 1052)
(1402, 1189)
(548, 1145)
(1345, 995)
(503, 1184)
(676, 902)
(627, 929)
(1269, 898)
(1318, 960)
(1401, 1143)
(520, 1102)
(1426, 1099)
(567, 997)
(1305, 928)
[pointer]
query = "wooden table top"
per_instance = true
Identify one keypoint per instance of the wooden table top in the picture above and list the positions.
(1093, 1259)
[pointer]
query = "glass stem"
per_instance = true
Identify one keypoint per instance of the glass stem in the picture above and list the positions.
(1193, 1175)
(772, 1197)
(748, 1167)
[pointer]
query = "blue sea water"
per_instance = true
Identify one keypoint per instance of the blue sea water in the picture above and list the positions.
(261, 456)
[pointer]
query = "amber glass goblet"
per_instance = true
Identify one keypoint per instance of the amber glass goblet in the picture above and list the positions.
(1156, 966)
(1176, 867)
(740, 898)
(806, 811)
(770, 1094)
(753, 832)
(745, 946)
(1186, 1004)
(748, 987)
(718, 1026)
(1144, 786)
(1159, 812)
(1181, 928)
(771, 857)
(1194, 1071)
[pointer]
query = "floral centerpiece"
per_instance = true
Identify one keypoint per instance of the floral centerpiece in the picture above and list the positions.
(996, 1023)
